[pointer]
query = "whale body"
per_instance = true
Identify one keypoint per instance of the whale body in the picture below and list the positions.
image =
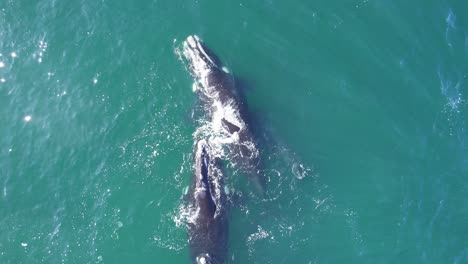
(208, 228)
(223, 104)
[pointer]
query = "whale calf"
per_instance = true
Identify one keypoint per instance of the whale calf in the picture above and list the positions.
(207, 228)
(222, 102)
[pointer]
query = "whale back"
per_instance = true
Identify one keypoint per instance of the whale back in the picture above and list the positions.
(208, 230)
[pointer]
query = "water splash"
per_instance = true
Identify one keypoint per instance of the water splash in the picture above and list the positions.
(452, 110)
(353, 225)
(253, 238)
(42, 49)
(450, 21)
(165, 234)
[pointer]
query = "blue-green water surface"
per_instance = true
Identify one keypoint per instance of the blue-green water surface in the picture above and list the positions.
(360, 107)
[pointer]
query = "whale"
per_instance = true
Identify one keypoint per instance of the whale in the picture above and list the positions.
(208, 226)
(224, 106)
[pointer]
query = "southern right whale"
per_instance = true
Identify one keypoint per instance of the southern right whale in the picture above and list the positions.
(226, 109)
(207, 227)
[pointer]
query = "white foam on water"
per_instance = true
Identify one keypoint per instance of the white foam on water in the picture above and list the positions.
(299, 170)
(452, 112)
(185, 215)
(42, 49)
(358, 239)
(450, 20)
(261, 234)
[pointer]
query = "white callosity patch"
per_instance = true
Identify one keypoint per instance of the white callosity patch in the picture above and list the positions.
(200, 63)
(194, 42)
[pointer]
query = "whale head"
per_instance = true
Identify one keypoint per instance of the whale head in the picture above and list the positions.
(200, 57)
(209, 73)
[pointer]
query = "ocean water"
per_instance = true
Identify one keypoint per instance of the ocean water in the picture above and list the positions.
(360, 107)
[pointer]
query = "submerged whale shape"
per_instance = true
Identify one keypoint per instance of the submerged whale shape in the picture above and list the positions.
(208, 228)
(225, 107)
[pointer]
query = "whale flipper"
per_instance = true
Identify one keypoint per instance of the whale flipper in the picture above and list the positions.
(230, 126)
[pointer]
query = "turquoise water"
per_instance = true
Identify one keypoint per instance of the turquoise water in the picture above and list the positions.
(360, 108)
